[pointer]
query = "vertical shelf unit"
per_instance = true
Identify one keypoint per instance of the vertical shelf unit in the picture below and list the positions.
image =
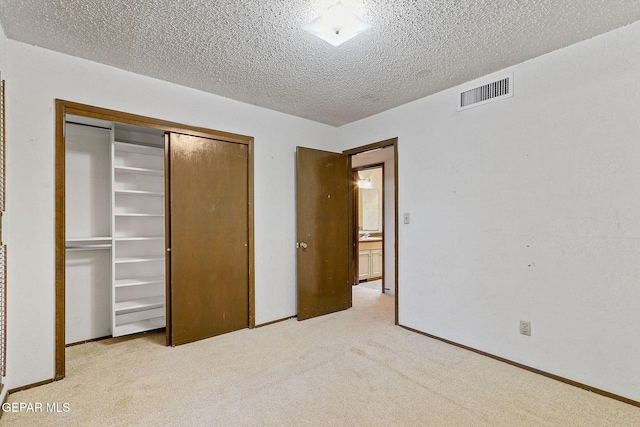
(138, 255)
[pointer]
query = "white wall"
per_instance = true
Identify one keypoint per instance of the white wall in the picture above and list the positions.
(39, 76)
(3, 51)
(528, 208)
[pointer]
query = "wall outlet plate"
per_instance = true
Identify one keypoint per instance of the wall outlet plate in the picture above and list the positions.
(525, 327)
(407, 218)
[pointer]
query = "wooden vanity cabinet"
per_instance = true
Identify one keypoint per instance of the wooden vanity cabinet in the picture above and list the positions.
(370, 260)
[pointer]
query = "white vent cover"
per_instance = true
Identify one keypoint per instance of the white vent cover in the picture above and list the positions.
(495, 90)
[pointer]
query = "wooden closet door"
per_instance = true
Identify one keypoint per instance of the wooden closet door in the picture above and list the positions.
(209, 237)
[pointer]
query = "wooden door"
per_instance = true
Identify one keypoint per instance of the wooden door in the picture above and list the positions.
(209, 237)
(324, 232)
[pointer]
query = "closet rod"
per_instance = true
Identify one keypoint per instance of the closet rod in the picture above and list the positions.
(87, 247)
(91, 126)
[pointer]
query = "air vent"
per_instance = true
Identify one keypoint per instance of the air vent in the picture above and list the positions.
(483, 94)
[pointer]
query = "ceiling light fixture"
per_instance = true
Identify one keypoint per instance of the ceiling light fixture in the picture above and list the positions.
(364, 182)
(337, 25)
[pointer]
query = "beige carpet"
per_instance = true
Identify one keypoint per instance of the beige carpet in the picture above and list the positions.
(374, 284)
(353, 368)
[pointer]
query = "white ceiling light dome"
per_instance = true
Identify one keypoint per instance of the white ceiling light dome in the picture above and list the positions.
(337, 24)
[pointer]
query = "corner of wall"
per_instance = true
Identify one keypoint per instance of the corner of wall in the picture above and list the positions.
(4, 395)
(3, 49)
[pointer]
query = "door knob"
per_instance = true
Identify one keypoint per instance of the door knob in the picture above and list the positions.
(303, 245)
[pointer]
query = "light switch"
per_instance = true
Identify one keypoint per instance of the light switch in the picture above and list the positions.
(406, 218)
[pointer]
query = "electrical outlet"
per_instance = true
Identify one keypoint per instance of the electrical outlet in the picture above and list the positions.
(407, 218)
(525, 328)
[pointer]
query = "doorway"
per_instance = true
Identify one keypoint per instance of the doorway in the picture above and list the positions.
(327, 237)
(383, 154)
(369, 201)
(174, 134)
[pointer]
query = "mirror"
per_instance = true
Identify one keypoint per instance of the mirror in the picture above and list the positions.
(369, 202)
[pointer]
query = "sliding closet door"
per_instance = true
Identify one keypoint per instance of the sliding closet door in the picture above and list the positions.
(209, 237)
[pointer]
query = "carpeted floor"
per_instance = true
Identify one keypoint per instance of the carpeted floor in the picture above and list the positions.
(374, 284)
(353, 368)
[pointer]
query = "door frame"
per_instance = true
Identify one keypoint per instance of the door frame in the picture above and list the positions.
(391, 142)
(67, 107)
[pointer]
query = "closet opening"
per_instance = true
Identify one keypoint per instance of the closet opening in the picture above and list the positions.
(114, 229)
(117, 224)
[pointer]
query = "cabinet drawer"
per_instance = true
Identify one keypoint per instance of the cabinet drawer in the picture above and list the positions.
(369, 245)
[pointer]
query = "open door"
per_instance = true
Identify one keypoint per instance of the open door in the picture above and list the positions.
(324, 232)
(209, 237)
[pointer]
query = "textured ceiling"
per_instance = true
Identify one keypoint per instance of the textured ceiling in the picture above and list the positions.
(256, 51)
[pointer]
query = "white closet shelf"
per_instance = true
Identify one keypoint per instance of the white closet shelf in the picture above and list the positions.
(140, 326)
(139, 304)
(123, 236)
(138, 238)
(136, 147)
(138, 259)
(138, 171)
(88, 239)
(87, 247)
(139, 214)
(138, 281)
(138, 296)
(140, 192)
